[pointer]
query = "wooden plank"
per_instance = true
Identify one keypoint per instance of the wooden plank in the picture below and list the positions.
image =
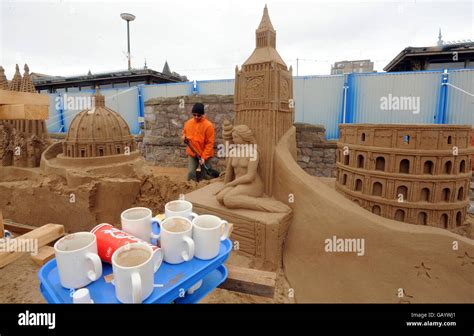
(18, 228)
(33, 239)
(45, 254)
(24, 112)
(250, 281)
(14, 97)
(2, 228)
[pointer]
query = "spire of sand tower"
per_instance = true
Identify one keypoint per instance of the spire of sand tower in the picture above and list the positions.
(3, 79)
(266, 34)
(15, 84)
(26, 82)
(265, 23)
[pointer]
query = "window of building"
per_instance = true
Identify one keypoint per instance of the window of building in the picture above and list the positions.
(444, 220)
(446, 194)
(380, 163)
(425, 195)
(448, 167)
(400, 215)
(358, 185)
(402, 193)
(404, 166)
(459, 218)
(422, 218)
(461, 194)
(377, 189)
(428, 167)
(376, 210)
(346, 159)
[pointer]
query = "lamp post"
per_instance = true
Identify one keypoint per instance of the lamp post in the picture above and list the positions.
(128, 17)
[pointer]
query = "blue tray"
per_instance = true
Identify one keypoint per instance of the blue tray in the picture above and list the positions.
(176, 280)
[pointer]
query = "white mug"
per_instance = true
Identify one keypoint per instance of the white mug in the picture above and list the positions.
(134, 266)
(180, 208)
(139, 223)
(176, 241)
(77, 260)
(208, 234)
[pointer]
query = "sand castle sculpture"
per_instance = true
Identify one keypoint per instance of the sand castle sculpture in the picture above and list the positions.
(21, 141)
(399, 262)
(411, 173)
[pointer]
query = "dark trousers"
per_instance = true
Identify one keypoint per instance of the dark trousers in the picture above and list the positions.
(193, 163)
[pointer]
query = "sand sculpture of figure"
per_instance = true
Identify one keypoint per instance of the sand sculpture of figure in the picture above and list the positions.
(34, 148)
(243, 187)
(19, 149)
(5, 146)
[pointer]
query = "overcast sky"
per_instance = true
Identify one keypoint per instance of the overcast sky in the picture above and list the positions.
(207, 39)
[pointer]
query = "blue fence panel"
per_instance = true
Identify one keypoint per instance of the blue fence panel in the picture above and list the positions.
(460, 99)
(390, 98)
(370, 98)
(218, 87)
(167, 90)
(123, 101)
(54, 119)
(318, 100)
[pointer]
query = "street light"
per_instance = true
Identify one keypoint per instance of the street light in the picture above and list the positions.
(128, 17)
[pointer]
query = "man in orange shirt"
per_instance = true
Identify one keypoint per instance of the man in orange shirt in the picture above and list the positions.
(200, 133)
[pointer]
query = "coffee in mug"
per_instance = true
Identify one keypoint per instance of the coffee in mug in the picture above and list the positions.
(139, 223)
(176, 241)
(134, 266)
(208, 232)
(77, 260)
(180, 208)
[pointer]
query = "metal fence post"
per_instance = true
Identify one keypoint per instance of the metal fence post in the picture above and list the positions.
(61, 114)
(349, 100)
(141, 105)
(196, 87)
(440, 116)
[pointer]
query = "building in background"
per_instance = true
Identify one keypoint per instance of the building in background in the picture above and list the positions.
(445, 55)
(105, 80)
(344, 67)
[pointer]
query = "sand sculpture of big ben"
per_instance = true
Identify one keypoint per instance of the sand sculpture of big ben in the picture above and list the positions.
(263, 97)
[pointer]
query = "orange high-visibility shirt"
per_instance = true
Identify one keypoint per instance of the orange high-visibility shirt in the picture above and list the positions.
(201, 136)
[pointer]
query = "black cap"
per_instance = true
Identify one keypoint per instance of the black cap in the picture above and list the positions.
(198, 108)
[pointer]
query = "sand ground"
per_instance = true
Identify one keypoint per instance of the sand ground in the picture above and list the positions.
(19, 281)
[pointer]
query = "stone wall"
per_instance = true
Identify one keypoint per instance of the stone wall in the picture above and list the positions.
(315, 154)
(164, 120)
(165, 117)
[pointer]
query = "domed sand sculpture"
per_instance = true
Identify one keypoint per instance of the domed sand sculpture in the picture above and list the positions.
(330, 248)
(98, 141)
(98, 132)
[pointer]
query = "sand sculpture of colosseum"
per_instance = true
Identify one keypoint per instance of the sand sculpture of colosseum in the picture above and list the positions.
(417, 174)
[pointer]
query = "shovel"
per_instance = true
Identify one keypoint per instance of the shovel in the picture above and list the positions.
(211, 172)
